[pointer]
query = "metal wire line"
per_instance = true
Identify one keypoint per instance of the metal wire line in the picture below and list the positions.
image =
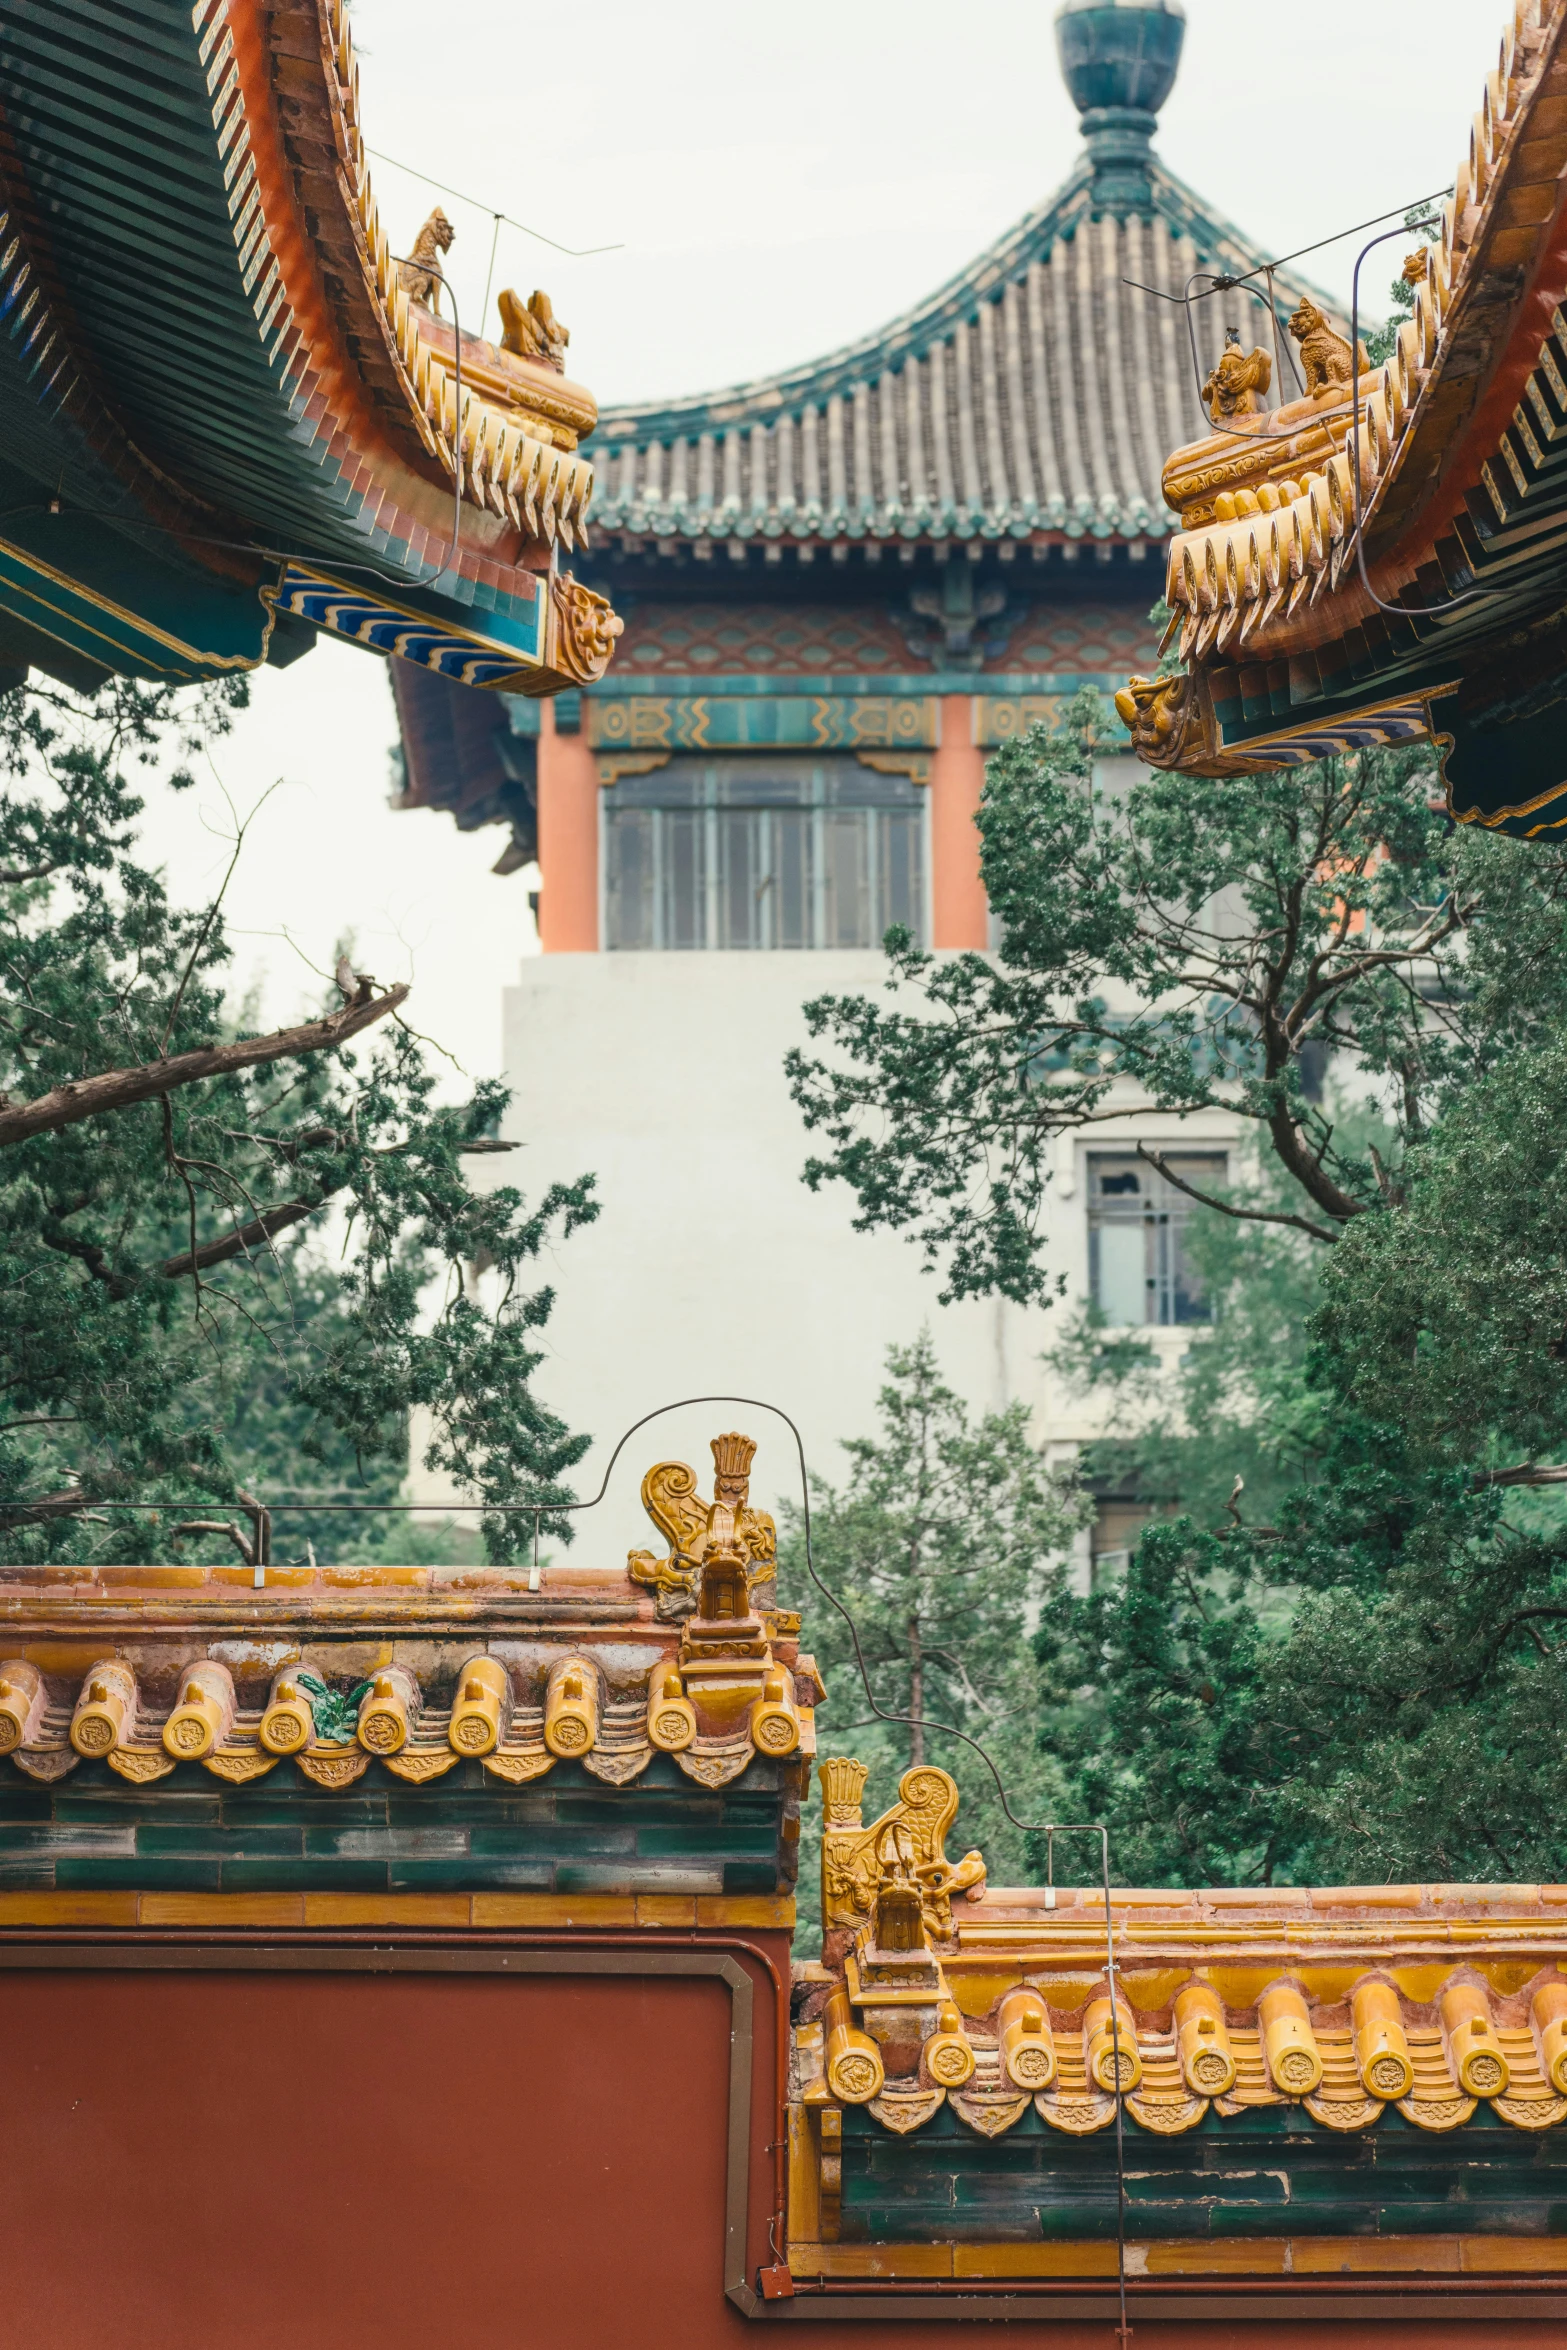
(1223, 281)
(1049, 1829)
(572, 252)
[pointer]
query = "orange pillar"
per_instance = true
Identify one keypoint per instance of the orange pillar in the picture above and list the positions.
(960, 915)
(568, 841)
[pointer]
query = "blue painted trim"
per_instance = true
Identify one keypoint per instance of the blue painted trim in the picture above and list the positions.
(368, 619)
(785, 687)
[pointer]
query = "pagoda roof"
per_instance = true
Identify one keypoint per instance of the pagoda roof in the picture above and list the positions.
(226, 421)
(1032, 396)
(1387, 560)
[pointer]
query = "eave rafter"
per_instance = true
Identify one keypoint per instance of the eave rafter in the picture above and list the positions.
(1349, 562)
(240, 379)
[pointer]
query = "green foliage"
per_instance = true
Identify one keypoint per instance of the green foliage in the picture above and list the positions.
(251, 1279)
(1337, 1650)
(1369, 1682)
(334, 1712)
(1449, 1314)
(946, 1537)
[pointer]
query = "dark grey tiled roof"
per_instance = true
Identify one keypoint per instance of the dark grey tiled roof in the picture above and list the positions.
(1036, 393)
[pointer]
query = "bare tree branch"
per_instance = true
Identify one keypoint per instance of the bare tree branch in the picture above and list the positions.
(68, 1504)
(270, 1221)
(212, 913)
(1227, 1207)
(244, 1238)
(119, 1089)
(226, 1526)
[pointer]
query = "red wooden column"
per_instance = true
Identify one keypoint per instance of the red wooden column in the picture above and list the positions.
(568, 840)
(960, 915)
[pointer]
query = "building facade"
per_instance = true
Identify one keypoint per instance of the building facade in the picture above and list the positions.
(843, 588)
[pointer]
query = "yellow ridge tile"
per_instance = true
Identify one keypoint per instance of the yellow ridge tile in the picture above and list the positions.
(1260, 2256)
(1312, 2256)
(221, 1909)
(745, 1909)
(387, 1909)
(1034, 2260)
(885, 2260)
(1486, 2255)
(67, 1909)
(554, 1909)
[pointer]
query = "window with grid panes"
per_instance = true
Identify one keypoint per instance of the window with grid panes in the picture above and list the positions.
(1139, 1267)
(756, 852)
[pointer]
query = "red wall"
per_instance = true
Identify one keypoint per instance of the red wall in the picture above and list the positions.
(364, 2162)
(568, 786)
(960, 912)
(361, 2161)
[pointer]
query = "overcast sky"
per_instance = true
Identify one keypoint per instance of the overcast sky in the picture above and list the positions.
(779, 179)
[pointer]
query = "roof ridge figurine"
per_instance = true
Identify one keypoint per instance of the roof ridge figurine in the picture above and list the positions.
(1380, 564)
(420, 276)
(691, 1527)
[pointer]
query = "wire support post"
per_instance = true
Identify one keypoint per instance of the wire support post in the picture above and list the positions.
(261, 1536)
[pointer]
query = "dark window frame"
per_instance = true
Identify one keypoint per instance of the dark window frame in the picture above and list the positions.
(787, 854)
(1125, 1196)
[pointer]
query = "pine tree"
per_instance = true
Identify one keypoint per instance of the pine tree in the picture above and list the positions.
(947, 1536)
(167, 1308)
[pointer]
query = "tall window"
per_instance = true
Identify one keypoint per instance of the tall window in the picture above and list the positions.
(1139, 1269)
(754, 853)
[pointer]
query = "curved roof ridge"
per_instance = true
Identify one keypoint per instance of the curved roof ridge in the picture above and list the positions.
(913, 332)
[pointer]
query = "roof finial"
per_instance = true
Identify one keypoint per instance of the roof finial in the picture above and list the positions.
(1119, 58)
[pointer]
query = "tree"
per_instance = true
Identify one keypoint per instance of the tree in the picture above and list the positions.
(1335, 1650)
(1365, 1677)
(944, 1541)
(1194, 943)
(167, 1185)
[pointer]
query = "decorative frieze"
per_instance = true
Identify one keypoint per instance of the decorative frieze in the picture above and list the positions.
(768, 721)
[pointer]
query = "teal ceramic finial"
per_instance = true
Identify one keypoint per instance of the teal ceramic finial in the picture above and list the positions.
(1119, 59)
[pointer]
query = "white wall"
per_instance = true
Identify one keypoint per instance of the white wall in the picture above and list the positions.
(712, 1267)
